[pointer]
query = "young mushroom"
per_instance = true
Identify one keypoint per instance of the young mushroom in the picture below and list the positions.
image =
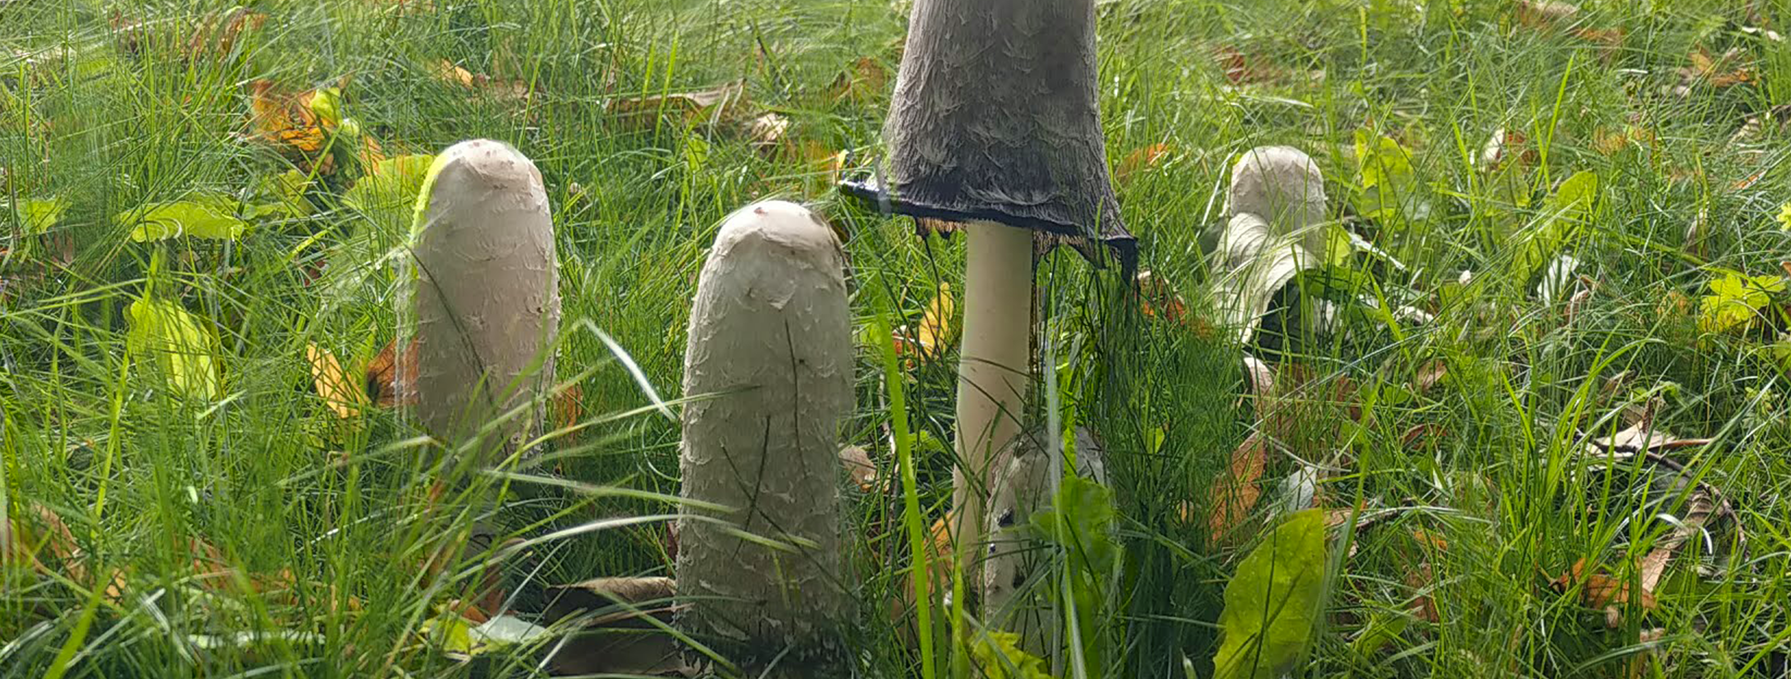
(769, 371)
(487, 298)
(1011, 583)
(1276, 208)
(1004, 142)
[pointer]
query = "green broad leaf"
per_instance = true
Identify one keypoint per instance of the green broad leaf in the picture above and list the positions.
(280, 196)
(177, 345)
(1273, 600)
(1081, 519)
(37, 215)
(1388, 185)
(1563, 215)
(998, 656)
(205, 216)
(391, 184)
(1736, 300)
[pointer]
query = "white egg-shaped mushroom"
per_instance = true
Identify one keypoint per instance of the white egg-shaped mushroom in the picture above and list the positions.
(769, 370)
(487, 298)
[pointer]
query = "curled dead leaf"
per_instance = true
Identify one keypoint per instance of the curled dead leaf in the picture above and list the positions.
(1237, 489)
(719, 104)
(383, 375)
(1601, 591)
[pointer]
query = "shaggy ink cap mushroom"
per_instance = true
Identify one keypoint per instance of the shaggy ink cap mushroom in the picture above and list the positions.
(1004, 138)
(1009, 132)
(487, 299)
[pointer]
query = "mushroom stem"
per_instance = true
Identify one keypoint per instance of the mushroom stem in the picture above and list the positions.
(994, 362)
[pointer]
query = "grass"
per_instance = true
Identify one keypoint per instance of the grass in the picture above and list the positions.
(104, 106)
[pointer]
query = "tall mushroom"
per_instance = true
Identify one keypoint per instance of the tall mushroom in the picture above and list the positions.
(769, 371)
(487, 296)
(1002, 140)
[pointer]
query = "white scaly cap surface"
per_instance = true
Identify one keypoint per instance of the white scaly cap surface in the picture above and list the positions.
(1276, 206)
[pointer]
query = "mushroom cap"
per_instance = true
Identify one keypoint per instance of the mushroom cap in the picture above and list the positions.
(1275, 230)
(996, 117)
(1280, 184)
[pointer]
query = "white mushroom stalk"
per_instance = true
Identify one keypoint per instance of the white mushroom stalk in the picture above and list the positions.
(1276, 208)
(487, 296)
(769, 369)
(994, 360)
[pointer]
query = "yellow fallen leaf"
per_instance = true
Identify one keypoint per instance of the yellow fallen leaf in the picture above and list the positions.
(338, 392)
(935, 327)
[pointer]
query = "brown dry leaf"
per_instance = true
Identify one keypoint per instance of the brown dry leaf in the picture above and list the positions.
(40, 531)
(382, 375)
(716, 104)
(1601, 591)
(338, 392)
(1507, 147)
(1608, 39)
(218, 33)
(1422, 580)
(1236, 490)
(508, 90)
(1724, 71)
(864, 82)
(1160, 298)
(568, 407)
(1430, 540)
(767, 133)
(1544, 13)
(1429, 375)
(1243, 70)
(1139, 160)
(1747, 182)
(1610, 143)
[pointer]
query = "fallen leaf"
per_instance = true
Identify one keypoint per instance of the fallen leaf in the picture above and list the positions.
(1141, 160)
(935, 326)
(1429, 375)
(1243, 70)
(1236, 490)
(382, 375)
(210, 216)
(285, 119)
(1610, 143)
(1719, 71)
(1544, 13)
(717, 104)
(766, 133)
(177, 344)
(568, 407)
(218, 33)
(507, 90)
(338, 392)
(867, 80)
(1422, 581)
(1159, 298)
(1506, 147)
(1601, 591)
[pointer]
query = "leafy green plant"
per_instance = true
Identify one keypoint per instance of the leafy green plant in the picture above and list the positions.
(1080, 522)
(1735, 300)
(212, 216)
(1563, 214)
(175, 342)
(998, 656)
(1273, 601)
